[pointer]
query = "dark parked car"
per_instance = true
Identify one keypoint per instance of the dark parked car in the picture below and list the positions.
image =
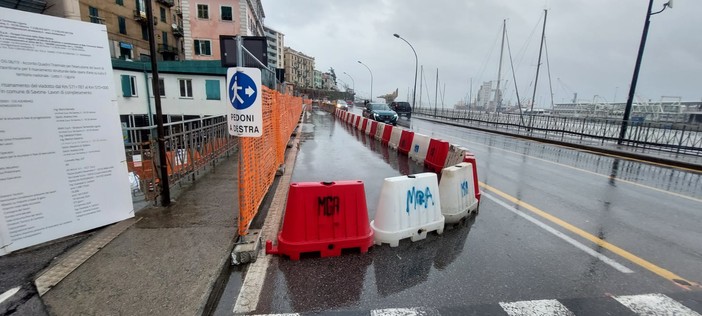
(380, 112)
(402, 108)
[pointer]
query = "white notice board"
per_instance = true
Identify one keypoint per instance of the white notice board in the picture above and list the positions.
(62, 161)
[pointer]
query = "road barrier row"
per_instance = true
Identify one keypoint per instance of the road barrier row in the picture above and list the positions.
(327, 217)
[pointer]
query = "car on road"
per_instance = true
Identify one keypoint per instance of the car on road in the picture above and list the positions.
(380, 112)
(401, 108)
(341, 104)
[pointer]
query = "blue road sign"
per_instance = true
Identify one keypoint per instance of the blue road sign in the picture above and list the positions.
(242, 91)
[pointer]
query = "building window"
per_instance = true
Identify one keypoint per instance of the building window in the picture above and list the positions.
(94, 15)
(212, 89)
(227, 13)
(140, 5)
(164, 35)
(119, 2)
(186, 88)
(129, 88)
(122, 25)
(144, 32)
(203, 11)
(162, 10)
(161, 86)
(202, 47)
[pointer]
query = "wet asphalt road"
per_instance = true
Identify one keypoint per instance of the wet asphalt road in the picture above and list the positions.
(652, 212)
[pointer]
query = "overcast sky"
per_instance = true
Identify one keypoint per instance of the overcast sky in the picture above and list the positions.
(591, 45)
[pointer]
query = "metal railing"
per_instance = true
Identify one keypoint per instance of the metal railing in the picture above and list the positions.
(673, 138)
(191, 146)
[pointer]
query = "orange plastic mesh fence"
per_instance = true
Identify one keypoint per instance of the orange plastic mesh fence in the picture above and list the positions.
(261, 156)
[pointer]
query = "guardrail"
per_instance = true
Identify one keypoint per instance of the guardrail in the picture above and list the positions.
(191, 145)
(665, 137)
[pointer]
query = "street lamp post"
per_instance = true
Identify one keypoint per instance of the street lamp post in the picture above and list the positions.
(416, 65)
(634, 79)
(353, 83)
(371, 74)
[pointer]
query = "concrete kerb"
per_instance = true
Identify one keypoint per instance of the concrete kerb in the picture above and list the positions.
(251, 287)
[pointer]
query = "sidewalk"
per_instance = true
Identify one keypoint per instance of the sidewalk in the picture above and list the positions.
(166, 263)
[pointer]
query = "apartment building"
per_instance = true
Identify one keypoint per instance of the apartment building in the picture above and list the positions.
(276, 45)
(317, 79)
(299, 68)
(205, 20)
(126, 23)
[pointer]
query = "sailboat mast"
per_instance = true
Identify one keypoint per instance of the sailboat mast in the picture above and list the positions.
(498, 95)
(436, 90)
(538, 65)
(421, 78)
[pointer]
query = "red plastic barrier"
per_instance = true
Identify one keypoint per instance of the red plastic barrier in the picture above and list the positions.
(343, 115)
(436, 155)
(470, 158)
(358, 120)
(387, 132)
(365, 122)
(374, 128)
(324, 217)
(405, 141)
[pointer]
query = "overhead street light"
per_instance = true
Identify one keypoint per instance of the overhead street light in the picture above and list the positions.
(632, 87)
(371, 85)
(416, 65)
(352, 82)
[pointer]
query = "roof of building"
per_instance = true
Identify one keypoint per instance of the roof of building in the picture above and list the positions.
(196, 67)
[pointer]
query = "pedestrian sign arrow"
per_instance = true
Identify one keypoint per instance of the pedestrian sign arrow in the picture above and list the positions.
(245, 118)
(242, 90)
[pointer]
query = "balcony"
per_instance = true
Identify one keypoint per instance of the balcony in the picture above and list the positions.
(179, 11)
(168, 3)
(178, 31)
(96, 19)
(140, 16)
(167, 49)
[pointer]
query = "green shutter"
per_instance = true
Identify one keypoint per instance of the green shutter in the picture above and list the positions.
(212, 89)
(197, 47)
(126, 86)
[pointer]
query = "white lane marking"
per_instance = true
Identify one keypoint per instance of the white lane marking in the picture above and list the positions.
(400, 312)
(540, 307)
(655, 304)
(566, 238)
(8, 294)
(289, 314)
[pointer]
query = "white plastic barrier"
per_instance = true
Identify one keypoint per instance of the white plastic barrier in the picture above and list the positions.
(455, 155)
(409, 206)
(351, 118)
(395, 137)
(368, 127)
(420, 145)
(457, 192)
(379, 132)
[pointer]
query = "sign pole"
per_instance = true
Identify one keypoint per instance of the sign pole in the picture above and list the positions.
(239, 63)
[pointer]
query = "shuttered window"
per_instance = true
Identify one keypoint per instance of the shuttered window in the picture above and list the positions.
(212, 89)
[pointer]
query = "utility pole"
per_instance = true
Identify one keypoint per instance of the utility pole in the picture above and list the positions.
(421, 79)
(634, 79)
(160, 131)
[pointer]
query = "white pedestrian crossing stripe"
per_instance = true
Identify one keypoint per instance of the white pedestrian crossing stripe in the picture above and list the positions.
(644, 305)
(540, 307)
(655, 304)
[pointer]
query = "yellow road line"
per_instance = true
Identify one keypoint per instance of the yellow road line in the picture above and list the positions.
(676, 279)
(583, 170)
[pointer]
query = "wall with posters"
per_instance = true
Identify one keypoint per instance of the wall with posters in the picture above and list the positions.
(62, 165)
